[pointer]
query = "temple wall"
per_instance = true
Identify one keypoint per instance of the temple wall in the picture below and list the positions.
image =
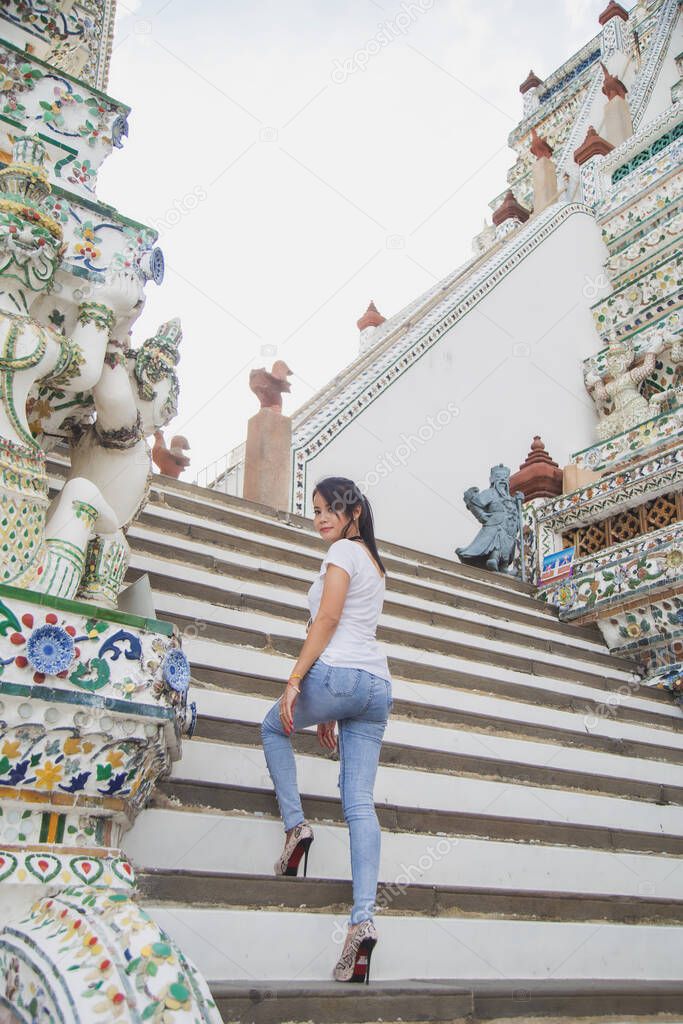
(509, 369)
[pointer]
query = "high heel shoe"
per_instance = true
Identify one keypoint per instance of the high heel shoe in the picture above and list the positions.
(354, 963)
(296, 847)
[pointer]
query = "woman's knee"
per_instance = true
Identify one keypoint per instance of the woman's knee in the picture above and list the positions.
(272, 723)
(359, 810)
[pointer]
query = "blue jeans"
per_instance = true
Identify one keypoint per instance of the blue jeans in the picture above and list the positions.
(360, 703)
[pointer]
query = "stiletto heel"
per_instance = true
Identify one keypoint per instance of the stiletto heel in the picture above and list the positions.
(367, 970)
(361, 969)
(306, 849)
(354, 963)
(296, 847)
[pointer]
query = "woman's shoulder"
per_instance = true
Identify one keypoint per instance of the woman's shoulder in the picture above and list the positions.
(342, 550)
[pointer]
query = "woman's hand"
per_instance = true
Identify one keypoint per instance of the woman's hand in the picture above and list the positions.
(326, 735)
(287, 702)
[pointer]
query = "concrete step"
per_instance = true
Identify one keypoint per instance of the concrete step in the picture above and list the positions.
(188, 499)
(186, 839)
(217, 694)
(163, 536)
(418, 626)
(450, 1001)
(619, 804)
(222, 889)
(237, 944)
(191, 500)
(218, 710)
(237, 628)
(176, 794)
(631, 716)
(456, 755)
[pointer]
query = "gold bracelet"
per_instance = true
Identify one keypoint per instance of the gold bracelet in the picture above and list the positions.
(295, 675)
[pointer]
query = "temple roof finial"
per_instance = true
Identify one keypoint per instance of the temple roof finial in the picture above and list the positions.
(612, 86)
(613, 10)
(370, 318)
(592, 145)
(530, 82)
(539, 476)
(539, 147)
(510, 208)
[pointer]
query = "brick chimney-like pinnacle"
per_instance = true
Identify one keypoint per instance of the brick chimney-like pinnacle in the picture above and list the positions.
(539, 147)
(530, 82)
(510, 208)
(370, 318)
(612, 86)
(538, 476)
(592, 145)
(613, 10)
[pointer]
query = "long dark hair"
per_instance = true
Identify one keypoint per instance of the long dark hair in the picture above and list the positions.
(343, 496)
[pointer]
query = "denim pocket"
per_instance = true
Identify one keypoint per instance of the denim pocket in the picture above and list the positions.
(342, 682)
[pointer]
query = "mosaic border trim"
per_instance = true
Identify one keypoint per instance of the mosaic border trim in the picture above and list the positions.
(652, 477)
(630, 444)
(656, 147)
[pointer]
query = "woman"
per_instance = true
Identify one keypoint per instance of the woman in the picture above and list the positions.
(341, 677)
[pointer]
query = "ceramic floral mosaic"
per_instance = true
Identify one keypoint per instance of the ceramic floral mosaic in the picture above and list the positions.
(123, 967)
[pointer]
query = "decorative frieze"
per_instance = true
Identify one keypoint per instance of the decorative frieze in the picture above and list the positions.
(648, 517)
(644, 179)
(641, 254)
(643, 212)
(75, 35)
(619, 580)
(624, 447)
(654, 294)
(645, 154)
(661, 473)
(84, 122)
(98, 239)
(103, 867)
(669, 537)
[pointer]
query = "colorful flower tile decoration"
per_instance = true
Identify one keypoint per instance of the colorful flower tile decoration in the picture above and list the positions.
(122, 966)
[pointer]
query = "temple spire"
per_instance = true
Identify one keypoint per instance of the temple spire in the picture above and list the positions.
(510, 209)
(612, 86)
(613, 10)
(539, 476)
(370, 318)
(530, 82)
(592, 145)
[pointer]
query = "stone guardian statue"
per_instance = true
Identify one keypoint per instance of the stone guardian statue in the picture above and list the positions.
(498, 511)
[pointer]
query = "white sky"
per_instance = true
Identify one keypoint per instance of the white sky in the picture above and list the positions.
(290, 186)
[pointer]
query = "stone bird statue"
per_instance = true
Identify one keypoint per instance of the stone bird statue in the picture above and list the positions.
(170, 461)
(268, 387)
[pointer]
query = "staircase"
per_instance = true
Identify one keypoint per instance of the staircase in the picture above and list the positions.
(530, 794)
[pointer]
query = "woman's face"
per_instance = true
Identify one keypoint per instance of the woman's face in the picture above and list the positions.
(329, 524)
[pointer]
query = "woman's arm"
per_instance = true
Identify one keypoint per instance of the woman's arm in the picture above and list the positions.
(335, 587)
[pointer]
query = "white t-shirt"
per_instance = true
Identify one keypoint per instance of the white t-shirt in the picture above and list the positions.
(353, 643)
